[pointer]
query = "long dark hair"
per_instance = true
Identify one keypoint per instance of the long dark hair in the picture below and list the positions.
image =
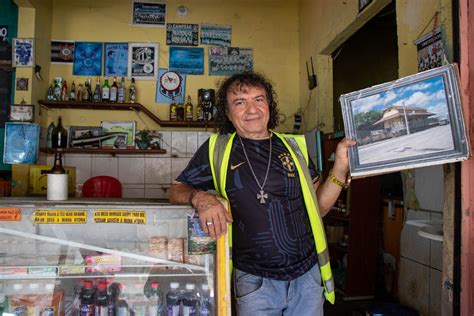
(238, 81)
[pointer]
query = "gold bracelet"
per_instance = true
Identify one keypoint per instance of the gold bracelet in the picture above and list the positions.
(336, 181)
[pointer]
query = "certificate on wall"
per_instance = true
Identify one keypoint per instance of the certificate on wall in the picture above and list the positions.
(143, 61)
(182, 34)
(187, 60)
(216, 35)
(146, 13)
(87, 59)
(225, 61)
(116, 59)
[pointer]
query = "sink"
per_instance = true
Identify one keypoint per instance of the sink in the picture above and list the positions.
(431, 229)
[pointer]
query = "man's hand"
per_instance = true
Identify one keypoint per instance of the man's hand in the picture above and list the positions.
(341, 164)
(212, 214)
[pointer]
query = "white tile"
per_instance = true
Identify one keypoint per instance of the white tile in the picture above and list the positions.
(413, 285)
(83, 164)
(413, 246)
(202, 137)
(158, 170)
(436, 286)
(105, 166)
(429, 187)
(191, 143)
(131, 170)
(178, 144)
(178, 165)
(155, 193)
(166, 143)
(133, 191)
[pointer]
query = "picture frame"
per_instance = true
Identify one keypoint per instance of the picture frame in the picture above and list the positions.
(23, 52)
(226, 61)
(118, 134)
(147, 13)
(21, 113)
(62, 52)
(187, 60)
(84, 136)
(116, 59)
(22, 84)
(415, 121)
(87, 59)
(363, 4)
(21, 143)
(182, 34)
(143, 61)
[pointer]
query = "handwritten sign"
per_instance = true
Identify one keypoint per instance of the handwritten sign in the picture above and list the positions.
(120, 217)
(60, 217)
(10, 214)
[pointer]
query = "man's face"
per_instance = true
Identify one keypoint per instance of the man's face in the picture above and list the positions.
(248, 110)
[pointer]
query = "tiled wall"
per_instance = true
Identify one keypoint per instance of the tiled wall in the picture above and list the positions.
(141, 175)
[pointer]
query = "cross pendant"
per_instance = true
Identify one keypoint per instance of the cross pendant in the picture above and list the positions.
(262, 196)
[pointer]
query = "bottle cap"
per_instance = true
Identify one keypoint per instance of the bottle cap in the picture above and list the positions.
(174, 285)
(155, 285)
(189, 286)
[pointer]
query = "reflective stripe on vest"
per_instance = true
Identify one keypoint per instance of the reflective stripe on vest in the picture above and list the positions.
(219, 154)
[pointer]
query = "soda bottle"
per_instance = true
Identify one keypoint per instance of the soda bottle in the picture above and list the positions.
(102, 300)
(173, 300)
(190, 301)
(206, 307)
(59, 135)
(3, 300)
(87, 307)
(155, 301)
(16, 300)
(115, 290)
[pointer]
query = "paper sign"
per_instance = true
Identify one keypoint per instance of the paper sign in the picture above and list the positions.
(60, 217)
(10, 214)
(120, 217)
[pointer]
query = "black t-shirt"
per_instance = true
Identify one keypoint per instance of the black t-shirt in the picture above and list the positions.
(273, 239)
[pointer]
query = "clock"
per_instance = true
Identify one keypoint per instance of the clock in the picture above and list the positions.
(170, 81)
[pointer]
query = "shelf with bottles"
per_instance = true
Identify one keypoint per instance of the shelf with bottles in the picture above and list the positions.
(137, 107)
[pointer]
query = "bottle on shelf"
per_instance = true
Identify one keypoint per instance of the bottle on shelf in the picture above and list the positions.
(102, 300)
(173, 108)
(85, 91)
(50, 95)
(57, 88)
(79, 94)
(16, 301)
(199, 110)
(64, 91)
(59, 135)
(173, 300)
(114, 91)
(180, 112)
(206, 306)
(89, 89)
(49, 134)
(106, 90)
(58, 164)
(97, 96)
(3, 300)
(87, 307)
(155, 300)
(190, 300)
(121, 91)
(72, 94)
(189, 109)
(132, 91)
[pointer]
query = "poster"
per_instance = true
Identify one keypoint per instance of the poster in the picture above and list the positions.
(116, 59)
(87, 59)
(23, 52)
(430, 50)
(143, 61)
(62, 52)
(216, 35)
(225, 61)
(145, 13)
(163, 95)
(21, 143)
(182, 34)
(187, 60)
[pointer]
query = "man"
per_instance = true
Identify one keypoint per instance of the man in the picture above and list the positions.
(279, 249)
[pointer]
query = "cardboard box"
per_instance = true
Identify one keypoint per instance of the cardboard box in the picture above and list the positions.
(37, 184)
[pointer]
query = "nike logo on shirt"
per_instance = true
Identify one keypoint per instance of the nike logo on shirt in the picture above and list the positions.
(233, 167)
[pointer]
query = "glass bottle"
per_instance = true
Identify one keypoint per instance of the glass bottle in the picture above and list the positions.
(114, 91)
(106, 90)
(49, 134)
(121, 91)
(80, 88)
(97, 94)
(189, 109)
(64, 91)
(59, 135)
(173, 114)
(180, 112)
(132, 91)
(199, 110)
(89, 89)
(72, 94)
(58, 164)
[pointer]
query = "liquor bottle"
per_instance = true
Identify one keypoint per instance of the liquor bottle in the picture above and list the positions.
(189, 109)
(121, 91)
(180, 112)
(97, 95)
(59, 135)
(58, 164)
(106, 90)
(89, 89)
(173, 114)
(132, 91)
(72, 94)
(50, 96)
(57, 89)
(64, 91)
(80, 88)
(114, 91)
(85, 91)
(199, 110)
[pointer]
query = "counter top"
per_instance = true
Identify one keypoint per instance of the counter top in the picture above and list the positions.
(14, 201)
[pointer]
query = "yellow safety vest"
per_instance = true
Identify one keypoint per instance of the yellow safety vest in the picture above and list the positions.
(219, 154)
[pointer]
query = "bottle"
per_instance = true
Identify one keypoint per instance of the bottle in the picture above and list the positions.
(17, 303)
(121, 91)
(173, 300)
(49, 134)
(106, 90)
(190, 301)
(206, 307)
(85, 91)
(3, 300)
(33, 294)
(87, 307)
(72, 94)
(57, 89)
(80, 88)
(102, 300)
(49, 309)
(59, 135)
(155, 301)
(189, 109)
(180, 112)
(50, 95)
(89, 89)
(64, 91)
(132, 91)
(97, 96)
(199, 110)
(173, 108)
(114, 91)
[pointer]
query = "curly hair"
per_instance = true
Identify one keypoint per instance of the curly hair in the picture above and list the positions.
(239, 82)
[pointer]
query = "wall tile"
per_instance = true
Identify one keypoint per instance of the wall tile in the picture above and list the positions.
(178, 144)
(83, 164)
(436, 286)
(156, 191)
(133, 191)
(105, 166)
(178, 165)
(158, 170)
(166, 143)
(412, 246)
(202, 137)
(191, 143)
(131, 170)
(414, 289)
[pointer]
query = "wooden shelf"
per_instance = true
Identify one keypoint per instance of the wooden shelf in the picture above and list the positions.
(112, 151)
(137, 107)
(6, 65)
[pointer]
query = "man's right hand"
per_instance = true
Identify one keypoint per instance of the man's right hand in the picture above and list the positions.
(212, 214)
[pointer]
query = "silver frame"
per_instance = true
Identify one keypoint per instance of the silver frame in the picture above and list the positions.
(460, 142)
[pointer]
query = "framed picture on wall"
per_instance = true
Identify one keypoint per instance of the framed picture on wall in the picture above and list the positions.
(146, 13)
(23, 52)
(143, 61)
(21, 113)
(415, 121)
(121, 134)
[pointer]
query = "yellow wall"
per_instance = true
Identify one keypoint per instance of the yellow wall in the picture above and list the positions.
(269, 27)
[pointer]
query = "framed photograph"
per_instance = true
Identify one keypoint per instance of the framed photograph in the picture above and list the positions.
(143, 61)
(363, 4)
(182, 34)
(62, 52)
(21, 143)
(216, 35)
(147, 13)
(87, 59)
(118, 134)
(226, 61)
(415, 121)
(23, 52)
(21, 113)
(116, 59)
(84, 136)
(22, 84)
(187, 60)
